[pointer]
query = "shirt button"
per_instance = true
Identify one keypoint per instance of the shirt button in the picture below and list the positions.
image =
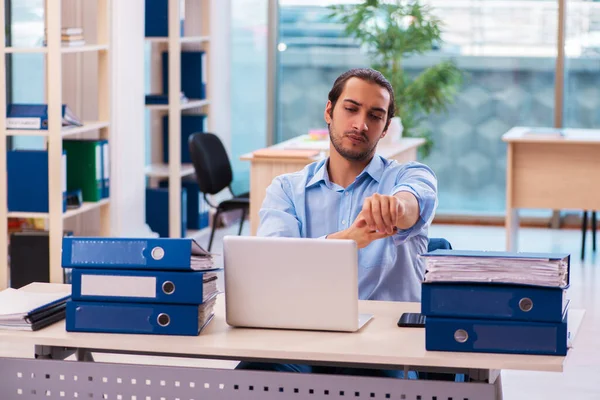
(344, 222)
(346, 194)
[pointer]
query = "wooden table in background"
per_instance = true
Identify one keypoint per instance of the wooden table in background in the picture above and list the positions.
(550, 171)
(263, 170)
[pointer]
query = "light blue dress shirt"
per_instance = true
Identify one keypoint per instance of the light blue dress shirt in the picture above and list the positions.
(307, 204)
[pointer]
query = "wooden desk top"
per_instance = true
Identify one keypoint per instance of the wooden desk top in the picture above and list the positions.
(386, 150)
(520, 134)
(381, 342)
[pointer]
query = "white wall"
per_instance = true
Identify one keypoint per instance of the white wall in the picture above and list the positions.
(128, 142)
(127, 92)
(220, 70)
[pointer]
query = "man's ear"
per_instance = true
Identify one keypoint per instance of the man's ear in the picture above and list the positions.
(328, 112)
(387, 125)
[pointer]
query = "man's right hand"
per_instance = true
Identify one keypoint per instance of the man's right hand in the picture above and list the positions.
(359, 232)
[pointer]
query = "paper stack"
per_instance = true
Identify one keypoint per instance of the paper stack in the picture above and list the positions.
(499, 267)
(28, 310)
(71, 37)
(496, 302)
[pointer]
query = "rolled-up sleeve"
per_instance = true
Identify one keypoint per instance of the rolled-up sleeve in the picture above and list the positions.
(278, 214)
(420, 180)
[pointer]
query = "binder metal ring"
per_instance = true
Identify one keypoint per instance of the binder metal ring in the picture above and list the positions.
(163, 319)
(525, 304)
(168, 287)
(461, 336)
(157, 253)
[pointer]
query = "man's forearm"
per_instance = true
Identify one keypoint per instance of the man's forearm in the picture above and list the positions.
(411, 210)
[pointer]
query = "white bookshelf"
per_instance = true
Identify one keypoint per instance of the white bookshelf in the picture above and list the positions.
(196, 37)
(88, 126)
(182, 39)
(54, 53)
(163, 170)
(86, 206)
(183, 106)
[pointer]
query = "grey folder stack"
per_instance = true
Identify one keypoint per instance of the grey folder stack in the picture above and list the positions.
(496, 302)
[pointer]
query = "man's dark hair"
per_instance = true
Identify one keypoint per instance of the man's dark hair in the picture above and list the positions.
(366, 74)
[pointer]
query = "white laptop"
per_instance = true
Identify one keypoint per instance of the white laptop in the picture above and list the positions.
(292, 283)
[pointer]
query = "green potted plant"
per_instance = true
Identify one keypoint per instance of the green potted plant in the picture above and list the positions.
(390, 31)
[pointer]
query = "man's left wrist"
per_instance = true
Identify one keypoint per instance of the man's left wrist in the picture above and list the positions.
(401, 211)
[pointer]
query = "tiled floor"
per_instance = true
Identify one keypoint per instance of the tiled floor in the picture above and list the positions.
(579, 380)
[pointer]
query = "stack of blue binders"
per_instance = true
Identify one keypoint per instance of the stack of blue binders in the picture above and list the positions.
(465, 313)
(163, 286)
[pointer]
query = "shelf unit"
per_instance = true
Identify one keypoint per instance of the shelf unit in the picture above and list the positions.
(54, 63)
(196, 37)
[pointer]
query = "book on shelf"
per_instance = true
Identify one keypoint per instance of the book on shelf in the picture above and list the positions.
(35, 116)
(70, 37)
(163, 99)
(68, 31)
(74, 43)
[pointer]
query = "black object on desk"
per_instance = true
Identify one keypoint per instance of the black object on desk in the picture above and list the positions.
(412, 320)
(30, 258)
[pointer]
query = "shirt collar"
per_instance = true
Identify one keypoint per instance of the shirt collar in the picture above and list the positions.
(320, 175)
(374, 169)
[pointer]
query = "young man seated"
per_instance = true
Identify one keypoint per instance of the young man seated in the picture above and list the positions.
(384, 206)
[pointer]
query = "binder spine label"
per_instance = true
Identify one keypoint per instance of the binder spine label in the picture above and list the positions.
(23, 123)
(118, 286)
(203, 71)
(99, 182)
(64, 173)
(106, 161)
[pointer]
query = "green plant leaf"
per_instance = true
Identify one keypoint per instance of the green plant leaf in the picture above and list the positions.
(390, 32)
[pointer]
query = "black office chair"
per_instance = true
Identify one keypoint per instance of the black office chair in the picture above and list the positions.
(584, 231)
(213, 174)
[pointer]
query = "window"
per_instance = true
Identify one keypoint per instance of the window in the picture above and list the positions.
(582, 65)
(248, 85)
(27, 70)
(507, 50)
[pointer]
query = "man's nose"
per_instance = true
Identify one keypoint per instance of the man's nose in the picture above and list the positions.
(360, 123)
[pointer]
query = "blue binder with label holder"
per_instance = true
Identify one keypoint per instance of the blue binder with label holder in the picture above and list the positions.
(157, 210)
(138, 318)
(193, 74)
(27, 181)
(497, 336)
(35, 116)
(190, 124)
(197, 211)
(157, 18)
(183, 254)
(493, 301)
(139, 286)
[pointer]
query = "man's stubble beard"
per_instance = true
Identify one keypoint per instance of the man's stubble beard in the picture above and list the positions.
(349, 154)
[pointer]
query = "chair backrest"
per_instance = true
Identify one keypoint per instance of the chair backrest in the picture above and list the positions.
(211, 163)
(438, 244)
